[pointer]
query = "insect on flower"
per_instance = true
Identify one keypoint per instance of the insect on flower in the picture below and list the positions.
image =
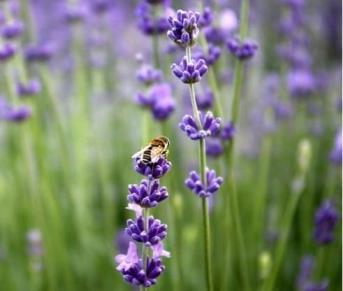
(156, 149)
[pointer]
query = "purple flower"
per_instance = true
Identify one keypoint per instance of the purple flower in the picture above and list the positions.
(228, 131)
(209, 126)
(149, 75)
(147, 194)
(121, 241)
(12, 29)
(212, 56)
(39, 53)
(7, 51)
(100, 6)
(74, 13)
(242, 50)
(194, 183)
(125, 262)
(301, 82)
(215, 35)
(147, 23)
(163, 102)
(14, 114)
(160, 100)
(184, 28)
(206, 18)
(320, 286)
(150, 234)
(325, 221)
(306, 270)
(214, 147)
(32, 87)
(190, 72)
(336, 152)
(205, 101)
(153, 171)
(138, 276)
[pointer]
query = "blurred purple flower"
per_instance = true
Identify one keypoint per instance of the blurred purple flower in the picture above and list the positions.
(228, 131)
(122, 241)
(214, 147)
(32, 87)
(149, 75)
(205, 101)
(39, 53)
(13, 114)
(194, 183)
(326, 219)
(7, 51)
(215, 35)
(301, 83)
(242, 50)
(206, 18)
(209, 126)
(336, 152)
(12, 29)
(212, 55)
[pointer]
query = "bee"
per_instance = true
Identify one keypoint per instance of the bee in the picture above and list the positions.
(157, 148)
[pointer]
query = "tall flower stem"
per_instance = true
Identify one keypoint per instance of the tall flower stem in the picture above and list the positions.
(233, 200)
(202, 160)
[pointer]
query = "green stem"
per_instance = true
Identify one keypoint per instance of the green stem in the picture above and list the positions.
(285, 231)
(202, 159)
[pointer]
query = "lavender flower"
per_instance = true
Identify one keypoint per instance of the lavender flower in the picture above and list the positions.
(242, 50)
(12, 29)
(13, 114)
(147, 23)
(228, 131)
(301, 82)
(190, 72)
(150, 235)
(153, 171)
(215, 35)
(336, 152)
(212, 56)
(147, 195)
(206, 18)
(205, 101)
(214, 147)
(159, 99)
(320, 286)
(147, 230)
(325, 221)
(149, 75)
(74, 13)
(194, 183)
(209, 126)
(184, 28)
(7, 51)
(32, 87)
(39, 53)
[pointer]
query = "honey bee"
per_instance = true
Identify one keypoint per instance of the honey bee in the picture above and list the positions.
(157, 148)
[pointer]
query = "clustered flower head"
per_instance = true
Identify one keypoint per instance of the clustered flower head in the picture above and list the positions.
(159, 99)
(13, 114)
(242, 50)
(194, 183)
(209, 126)
(31, 87)
(149, 24)
(326, 219)
(7, 51)
(184, 28)
(190, 72)
(144, 269)
(148, 75)
(305, 281)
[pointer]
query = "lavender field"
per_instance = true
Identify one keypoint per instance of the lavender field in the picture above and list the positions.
(170, 145)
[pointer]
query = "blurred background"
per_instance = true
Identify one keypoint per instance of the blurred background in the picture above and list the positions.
(75, 83)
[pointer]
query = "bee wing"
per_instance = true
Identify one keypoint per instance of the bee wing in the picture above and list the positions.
(138, 154)
(156, 153)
